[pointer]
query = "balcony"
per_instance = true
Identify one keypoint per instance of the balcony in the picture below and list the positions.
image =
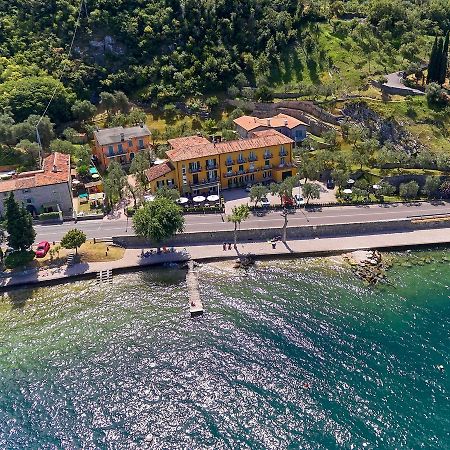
(268, 155)
(205, 182)
(229, 162)
(241, 172)
(252, 158)
(267, 167)
(283, 153)
(195, 169)
(241, 160)
(285, 166)
(212, 166)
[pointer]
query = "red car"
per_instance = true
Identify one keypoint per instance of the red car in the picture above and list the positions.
(42, 249)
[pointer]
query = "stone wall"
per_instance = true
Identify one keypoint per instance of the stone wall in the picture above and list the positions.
(302, 232)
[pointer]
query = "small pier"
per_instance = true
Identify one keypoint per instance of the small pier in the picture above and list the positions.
(104, 276)
(195, 303)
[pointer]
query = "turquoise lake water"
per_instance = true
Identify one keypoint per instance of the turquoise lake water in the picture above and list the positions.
(289, 355)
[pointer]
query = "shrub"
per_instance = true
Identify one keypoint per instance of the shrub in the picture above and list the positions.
(19, 259)
(49, 216)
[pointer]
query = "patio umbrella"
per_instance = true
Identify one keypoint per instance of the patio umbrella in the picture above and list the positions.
(213, 198)
(350, 181)
(199, 199)
(95, 175)
(182, 200)
(76, 182)
(347, 191)
(149, 198)
(376, 186)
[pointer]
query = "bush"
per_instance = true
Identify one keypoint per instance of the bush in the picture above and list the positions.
(19, 259)
(49, 216)
(130, 211)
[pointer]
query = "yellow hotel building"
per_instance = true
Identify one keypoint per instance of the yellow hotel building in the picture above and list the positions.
(197, 166)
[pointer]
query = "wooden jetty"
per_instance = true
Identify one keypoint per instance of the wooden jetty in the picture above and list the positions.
(195, 303)
(104, 276)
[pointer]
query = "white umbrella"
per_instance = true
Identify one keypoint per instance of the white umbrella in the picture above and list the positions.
(213, 198)
(95, 175)
(347, 191)
(199, 199)
(350, 181)
(182, 200)
(149, 198)
(376, 186)
(76, 182)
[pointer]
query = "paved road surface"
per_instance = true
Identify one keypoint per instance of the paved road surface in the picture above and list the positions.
(216, 222)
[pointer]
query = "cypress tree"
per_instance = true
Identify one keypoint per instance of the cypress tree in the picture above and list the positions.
(432, 63)
(19, 225)
(444, 61)
(438, 62)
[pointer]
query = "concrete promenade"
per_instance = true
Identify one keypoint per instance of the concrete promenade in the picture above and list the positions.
(133, 260)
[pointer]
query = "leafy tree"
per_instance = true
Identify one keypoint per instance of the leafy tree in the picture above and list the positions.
(237, 216)
(83, 110)
(264, 94)
(19, 225)
(258, 192)
(340, 178)
(139, 167)
(445, 189)
(431, 188)
(73, 239)
(83, 155)
(435, 94)
(166, 192)
(158, 220)
(27, 130)
(386, 189)
(443, 161)
(108, 101)
(311, 191)
(58, 145)
(30, 96)
(114, 183)
(121, 102)
(409, 190)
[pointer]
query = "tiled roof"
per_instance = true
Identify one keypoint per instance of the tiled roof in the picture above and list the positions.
(281, 120)
(159, 170)
(55, 170)
(260, 139)
(187, 141)
(109, 136)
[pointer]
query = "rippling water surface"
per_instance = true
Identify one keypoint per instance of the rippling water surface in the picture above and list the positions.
(289, 355)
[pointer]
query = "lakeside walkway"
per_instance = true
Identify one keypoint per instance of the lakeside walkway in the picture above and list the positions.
(208, 252)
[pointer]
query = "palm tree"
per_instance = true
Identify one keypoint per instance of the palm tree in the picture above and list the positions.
(238, 215)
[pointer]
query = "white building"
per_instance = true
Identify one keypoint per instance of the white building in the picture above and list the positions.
(45, 190)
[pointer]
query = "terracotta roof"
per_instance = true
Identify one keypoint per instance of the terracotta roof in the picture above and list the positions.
(55, 170)
(281, 120)
(159, 170)
(187, 141)
(260, 139)
(109, 136)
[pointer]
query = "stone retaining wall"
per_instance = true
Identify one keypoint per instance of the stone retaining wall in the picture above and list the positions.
(302, 232)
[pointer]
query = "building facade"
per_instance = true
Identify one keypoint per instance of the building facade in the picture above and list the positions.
(120, 144)
(197, 166)
(284, 124)
(45, 190)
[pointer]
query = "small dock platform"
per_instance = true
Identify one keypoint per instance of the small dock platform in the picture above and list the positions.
(104, 276)
(195, 303)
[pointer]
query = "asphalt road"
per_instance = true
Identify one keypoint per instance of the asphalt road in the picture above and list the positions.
(217, 222)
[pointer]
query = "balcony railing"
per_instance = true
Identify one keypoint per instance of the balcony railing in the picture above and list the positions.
(268, 155)
(241, 160)
(205, 182)
(212, 166)
(283, 153)
(229, 162)
(285, 166)
(241, 172)
(195, 169)
(266, 167)
(252, 158)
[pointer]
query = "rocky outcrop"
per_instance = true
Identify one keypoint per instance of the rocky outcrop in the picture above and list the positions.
(368, 265)
(384, 129)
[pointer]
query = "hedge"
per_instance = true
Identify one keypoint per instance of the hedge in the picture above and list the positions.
(19, 259)
(203, 210)
(49, 216)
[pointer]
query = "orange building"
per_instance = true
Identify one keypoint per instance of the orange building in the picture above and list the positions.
(120, 144)
(197, 166)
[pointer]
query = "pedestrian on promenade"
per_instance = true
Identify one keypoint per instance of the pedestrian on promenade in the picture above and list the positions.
(224, 246)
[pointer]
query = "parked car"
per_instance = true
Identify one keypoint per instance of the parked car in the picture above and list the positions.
(248, 188)
(42, 249)
(265, 202)
(299, 200)
(287, 201)
(330, 184)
